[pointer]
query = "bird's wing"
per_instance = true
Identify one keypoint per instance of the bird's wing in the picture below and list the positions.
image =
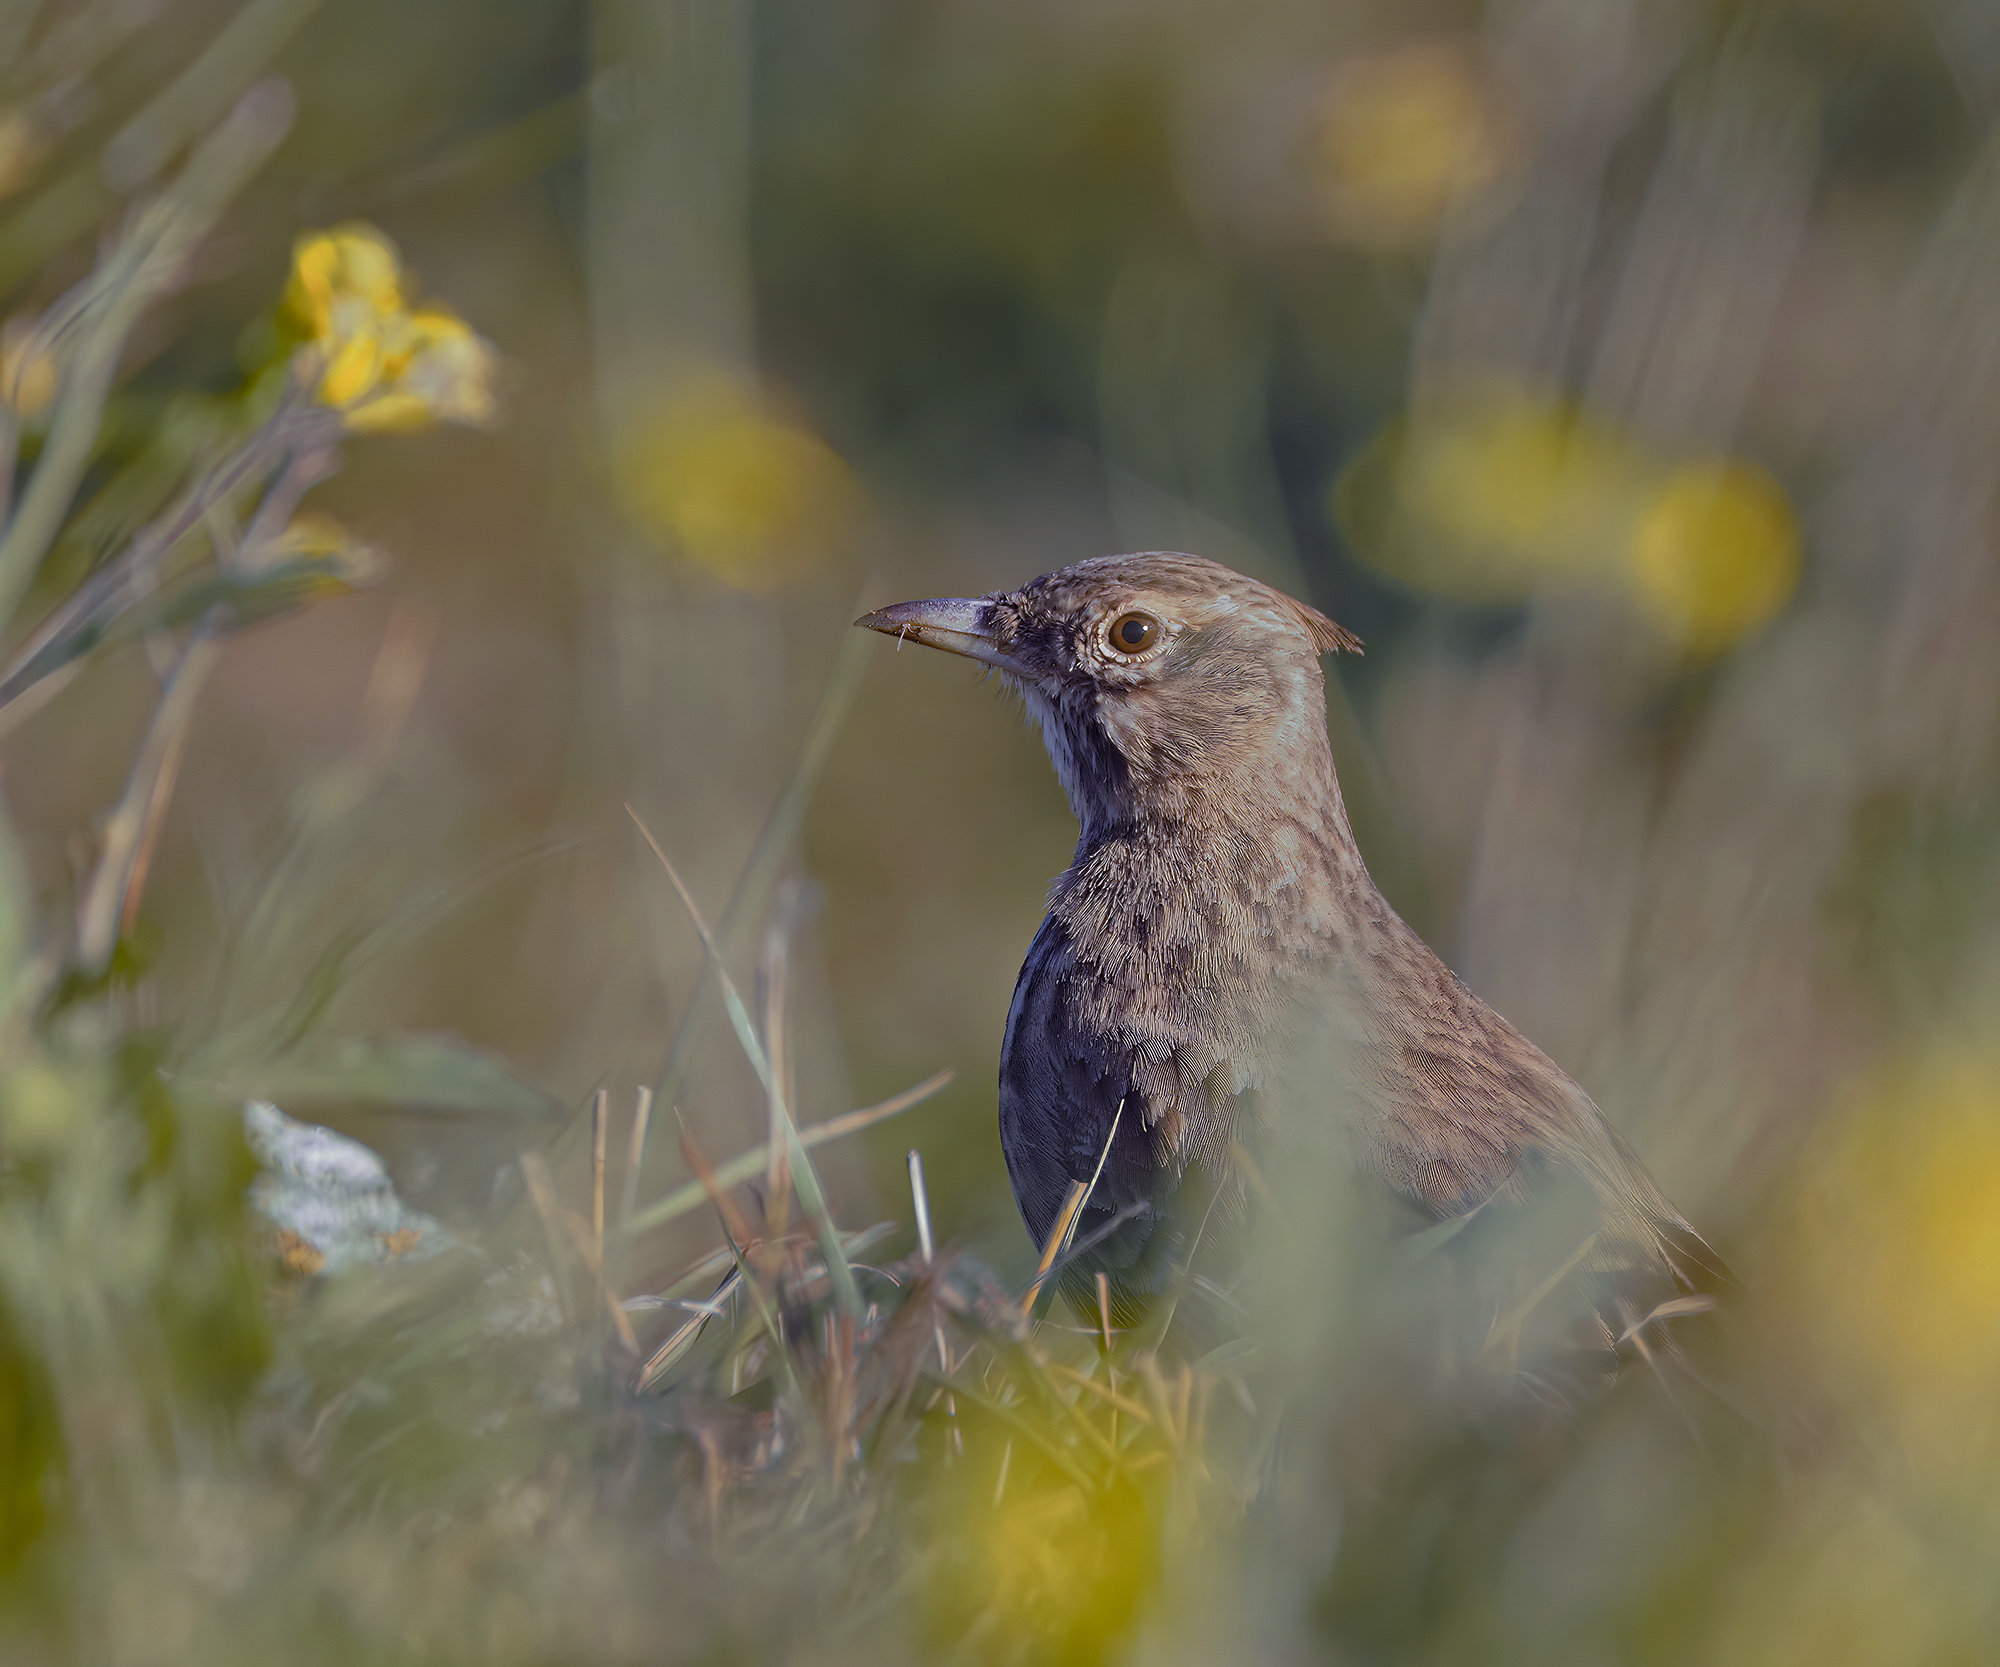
(1461, 1108)
(1570, 1256)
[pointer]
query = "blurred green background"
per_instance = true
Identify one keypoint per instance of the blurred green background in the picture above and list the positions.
(1625, 372)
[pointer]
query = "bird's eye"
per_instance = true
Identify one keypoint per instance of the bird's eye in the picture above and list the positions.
(1134, 633)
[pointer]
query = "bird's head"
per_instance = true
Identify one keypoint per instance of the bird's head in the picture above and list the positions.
(1156, 678)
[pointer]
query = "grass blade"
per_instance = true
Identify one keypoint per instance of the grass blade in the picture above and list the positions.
(777, 834)
(747, 1166)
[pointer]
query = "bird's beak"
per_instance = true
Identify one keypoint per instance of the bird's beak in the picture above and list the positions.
(955, 624)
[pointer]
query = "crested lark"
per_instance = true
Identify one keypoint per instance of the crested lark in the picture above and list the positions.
(1216, 917)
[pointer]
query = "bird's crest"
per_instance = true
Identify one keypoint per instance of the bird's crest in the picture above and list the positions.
(1328, 637)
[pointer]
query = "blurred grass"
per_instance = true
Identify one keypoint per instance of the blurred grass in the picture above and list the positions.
(1623, 374)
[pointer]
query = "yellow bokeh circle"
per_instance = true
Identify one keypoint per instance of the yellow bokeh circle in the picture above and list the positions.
(1716, 553)
(752, 498)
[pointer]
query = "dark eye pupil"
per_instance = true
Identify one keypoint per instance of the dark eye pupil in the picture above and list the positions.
(1134, 632)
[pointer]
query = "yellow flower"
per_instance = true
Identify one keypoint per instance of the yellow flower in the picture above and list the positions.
(390, 368)
(1489, 494)
(748, 497)
(1716, 553)
(1498, 493)
(1528, 478)
(1894, 1255)
(1407, 135)
(1846, 1576)
(1045, 1573)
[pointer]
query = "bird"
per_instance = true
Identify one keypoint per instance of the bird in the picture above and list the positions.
(1216, 921)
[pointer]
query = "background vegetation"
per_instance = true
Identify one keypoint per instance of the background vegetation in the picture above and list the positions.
(1625, 372)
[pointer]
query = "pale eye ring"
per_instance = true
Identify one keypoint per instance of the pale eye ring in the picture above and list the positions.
(1133, 632)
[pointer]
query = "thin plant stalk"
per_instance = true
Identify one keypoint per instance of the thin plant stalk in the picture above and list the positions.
(747, 1166)
(739, 1014)
(1070, 1214)
(109, 900)
(147, 263)
(200, 92)
(778, 1176)
(600, 1116)
(785, 1154)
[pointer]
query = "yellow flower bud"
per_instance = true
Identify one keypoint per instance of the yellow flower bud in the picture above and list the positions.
(314, 535)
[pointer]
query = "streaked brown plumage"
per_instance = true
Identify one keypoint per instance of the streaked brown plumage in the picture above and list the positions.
(1218, 925)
